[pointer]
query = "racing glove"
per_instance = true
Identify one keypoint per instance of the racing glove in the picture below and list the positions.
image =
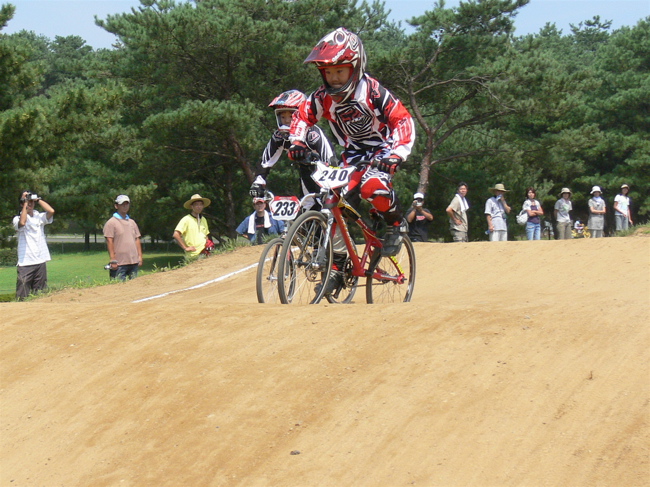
(257, 190)
(389, 164)
(298, 151)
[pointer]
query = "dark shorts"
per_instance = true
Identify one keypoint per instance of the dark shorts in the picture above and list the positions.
(124, 271)
(31, 278)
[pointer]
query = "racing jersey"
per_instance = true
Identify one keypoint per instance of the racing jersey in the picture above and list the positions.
(315, 140)
(369, 121)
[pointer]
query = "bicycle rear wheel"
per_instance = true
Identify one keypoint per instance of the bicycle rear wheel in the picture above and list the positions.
(396, 276)
(267, 272)
(305, 261)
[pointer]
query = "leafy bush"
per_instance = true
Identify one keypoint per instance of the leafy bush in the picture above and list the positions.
(8, 257)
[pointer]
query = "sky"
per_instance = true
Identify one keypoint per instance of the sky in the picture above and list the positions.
(53, 18)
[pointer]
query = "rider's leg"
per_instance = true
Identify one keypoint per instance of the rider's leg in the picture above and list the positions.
(308, 185)
(377, 188)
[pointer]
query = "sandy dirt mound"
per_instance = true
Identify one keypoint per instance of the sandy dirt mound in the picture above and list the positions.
(516, 364)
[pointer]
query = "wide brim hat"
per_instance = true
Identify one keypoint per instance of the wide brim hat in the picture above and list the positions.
(196, 197)
(596, 189)
(565, 190)
(625, 186)
(499, 187)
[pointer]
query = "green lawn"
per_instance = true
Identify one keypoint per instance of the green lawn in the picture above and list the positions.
(83, 269)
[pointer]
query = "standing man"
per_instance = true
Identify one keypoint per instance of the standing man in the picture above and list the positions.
(496, 211)
(457, 211)
(418, 219)
(192, 231)
(123, 241)
(32, 246)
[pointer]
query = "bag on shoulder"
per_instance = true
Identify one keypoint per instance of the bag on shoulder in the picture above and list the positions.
(522, 217)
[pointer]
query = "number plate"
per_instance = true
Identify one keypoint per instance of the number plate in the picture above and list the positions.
(330, 177)
(284, 207)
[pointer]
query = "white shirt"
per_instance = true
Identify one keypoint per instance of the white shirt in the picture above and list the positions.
(563, 208)
(623, 203)
(32, 246)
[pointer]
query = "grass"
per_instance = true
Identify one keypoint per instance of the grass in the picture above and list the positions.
(79, 270)
(85, 269)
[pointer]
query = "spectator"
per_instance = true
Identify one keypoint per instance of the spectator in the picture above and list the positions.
(457, 211)
(418, 219)
(259, 223)
(33, 253)
(562, 208)
(496, 211)
(192, 231)
(123, 241)
(535, 211)
(597, 210)
(622, 210)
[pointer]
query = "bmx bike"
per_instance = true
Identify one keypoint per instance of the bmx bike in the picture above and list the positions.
(284, 208)
(306, 257)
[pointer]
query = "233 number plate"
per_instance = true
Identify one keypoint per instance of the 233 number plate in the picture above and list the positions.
(284, 207)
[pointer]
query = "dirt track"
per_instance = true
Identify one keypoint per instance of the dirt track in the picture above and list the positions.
(516, 364)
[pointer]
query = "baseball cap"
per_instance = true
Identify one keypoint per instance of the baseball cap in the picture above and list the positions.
(121, 199)
(418, 196)
(258, 199)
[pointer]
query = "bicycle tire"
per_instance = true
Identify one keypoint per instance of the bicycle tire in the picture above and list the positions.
(388, 290)
(305, 263)
(266, 282)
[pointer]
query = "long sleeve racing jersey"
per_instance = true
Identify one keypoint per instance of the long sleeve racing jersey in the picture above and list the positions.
(370, 120)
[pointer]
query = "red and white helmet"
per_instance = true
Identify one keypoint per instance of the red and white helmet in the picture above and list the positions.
(287, 101)
(337, 48)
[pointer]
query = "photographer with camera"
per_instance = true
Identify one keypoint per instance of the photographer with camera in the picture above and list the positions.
(418, 219)
(32, 246)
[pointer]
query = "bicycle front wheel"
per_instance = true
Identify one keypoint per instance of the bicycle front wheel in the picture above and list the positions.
(305, 260)
(267, 272)
(392, 279)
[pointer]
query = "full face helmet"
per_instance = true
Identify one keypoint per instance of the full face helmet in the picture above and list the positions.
(287, 101)
(339, 48)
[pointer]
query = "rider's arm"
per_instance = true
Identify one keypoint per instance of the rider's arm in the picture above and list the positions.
(271, 155)
(306, 116)
(398, 119)
(318, 142)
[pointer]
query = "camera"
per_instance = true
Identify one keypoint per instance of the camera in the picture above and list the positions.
(30, 197)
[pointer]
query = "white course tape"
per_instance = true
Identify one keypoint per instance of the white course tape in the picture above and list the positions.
(196, 286)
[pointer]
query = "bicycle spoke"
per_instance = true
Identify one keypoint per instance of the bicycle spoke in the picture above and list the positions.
(300, 267)
(392, 279)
